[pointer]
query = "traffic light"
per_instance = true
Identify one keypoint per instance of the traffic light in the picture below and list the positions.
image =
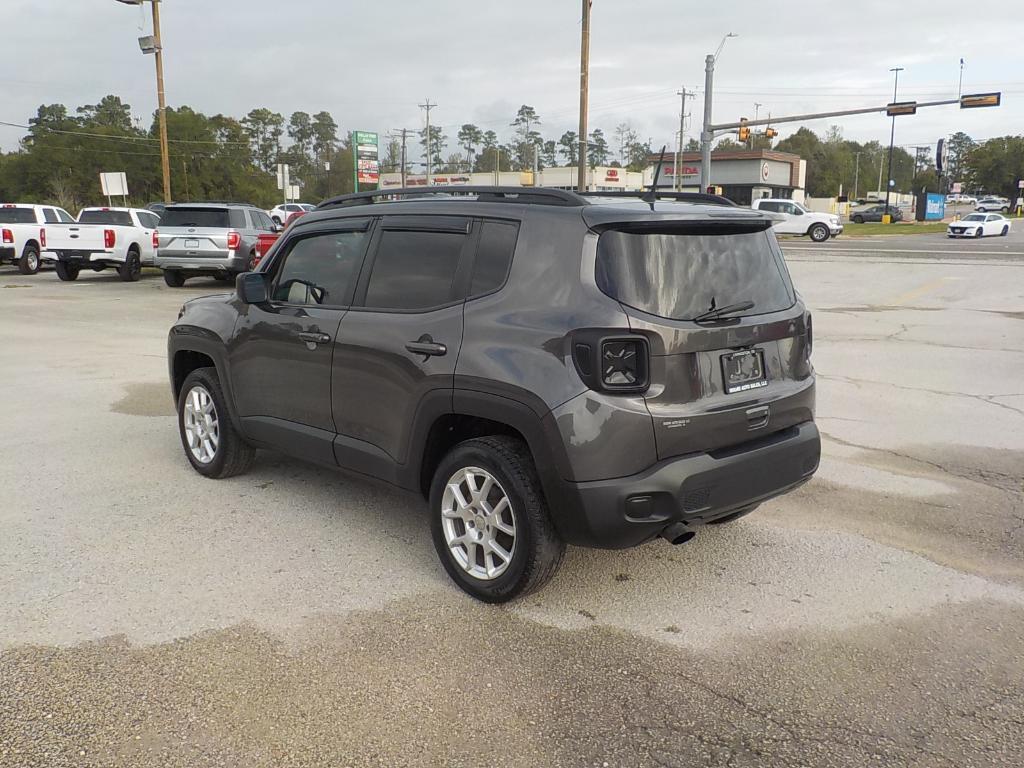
(975, 100)
(744, 130)
(770, 133)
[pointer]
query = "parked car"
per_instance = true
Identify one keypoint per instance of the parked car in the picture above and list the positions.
(875, 213)
(279, 214)
(987, 204)
(959, 199)
(266, 239)
(798, 220)
(209, 239)
(157, 208)
(979, 225)
(523, 359)
(23, 233)
(103, 237)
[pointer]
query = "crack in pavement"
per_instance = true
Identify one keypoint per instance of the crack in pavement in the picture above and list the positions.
(989, 399)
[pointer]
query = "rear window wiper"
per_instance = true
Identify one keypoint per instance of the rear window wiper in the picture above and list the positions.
(728, 309)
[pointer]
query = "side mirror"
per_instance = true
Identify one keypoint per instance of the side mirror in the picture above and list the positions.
(251, 288)
(277, 228)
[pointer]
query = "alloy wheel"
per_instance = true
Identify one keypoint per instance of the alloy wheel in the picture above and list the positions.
(202, 427)
(478, 523)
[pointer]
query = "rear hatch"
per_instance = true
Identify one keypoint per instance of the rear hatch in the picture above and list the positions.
(714, 382)
(198, 231)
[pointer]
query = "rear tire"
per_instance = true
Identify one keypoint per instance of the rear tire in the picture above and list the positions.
(858, 219)
(67, 272)
(28, 264)
(221, 450)
(174, 278)
(515, 502)
(819, 233)
(131, 270)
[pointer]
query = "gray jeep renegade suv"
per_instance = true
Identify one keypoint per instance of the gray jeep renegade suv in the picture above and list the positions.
(546, 368)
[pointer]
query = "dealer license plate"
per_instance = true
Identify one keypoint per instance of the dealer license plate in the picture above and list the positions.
(191, 243)
(743, 370)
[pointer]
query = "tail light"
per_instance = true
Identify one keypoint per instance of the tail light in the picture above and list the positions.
(612, 363)
(8, 236)
(156, 239)
(42, 237)
(810, 335)
(109, 238)
(234, 240)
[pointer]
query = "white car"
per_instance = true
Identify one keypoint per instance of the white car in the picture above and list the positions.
(798, 220)
(279, 214)
(123, 238)
(979, 225)
(987, 204)
(23, 233)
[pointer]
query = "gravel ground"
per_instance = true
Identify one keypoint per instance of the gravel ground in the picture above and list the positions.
(298, 617)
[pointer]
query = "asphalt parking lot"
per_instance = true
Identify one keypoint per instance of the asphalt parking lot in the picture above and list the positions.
(294, 616)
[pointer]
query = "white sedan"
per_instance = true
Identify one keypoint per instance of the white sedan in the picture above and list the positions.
(979, 225)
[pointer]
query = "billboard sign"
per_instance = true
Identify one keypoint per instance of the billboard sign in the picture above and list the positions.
(935, 207)
(365, 147)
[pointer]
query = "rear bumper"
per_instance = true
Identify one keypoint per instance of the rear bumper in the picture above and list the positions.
(693, 489)
(84, 257)
(233, 263)
(8, 253)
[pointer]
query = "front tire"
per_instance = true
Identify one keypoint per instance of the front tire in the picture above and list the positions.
(979, 232)
(174, 278)
(490, 522)
(1006, 231)
(819, 233)
(212, 445)
(131, 270)
(858, 219)
(28, 264)
(67, 272)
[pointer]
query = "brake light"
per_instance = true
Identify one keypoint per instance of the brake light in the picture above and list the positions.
(234, 240)
(810, 336)
(8, 236)
(611, 363)
(42, 238)
(109, 238)
(156, 239)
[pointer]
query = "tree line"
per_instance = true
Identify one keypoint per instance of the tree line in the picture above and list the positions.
(220, 157)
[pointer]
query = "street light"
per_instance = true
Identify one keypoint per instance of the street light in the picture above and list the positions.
(892, 137)
(706, 136)
(151, 44)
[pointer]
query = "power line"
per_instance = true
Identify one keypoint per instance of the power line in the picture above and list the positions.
(120, 138)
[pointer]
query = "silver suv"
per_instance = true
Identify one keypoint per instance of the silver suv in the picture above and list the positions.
(209, 239)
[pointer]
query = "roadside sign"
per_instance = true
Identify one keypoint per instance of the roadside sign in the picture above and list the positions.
(975, 100)
(283, 179)
(901, 108)
(367, 167)
(114, 184)
(1020, 184)
(941, 155)
(956, 188)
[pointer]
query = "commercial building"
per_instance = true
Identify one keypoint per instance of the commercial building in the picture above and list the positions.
(743, 175)
(601, 178)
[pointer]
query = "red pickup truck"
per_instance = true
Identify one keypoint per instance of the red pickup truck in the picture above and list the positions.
(265, 240)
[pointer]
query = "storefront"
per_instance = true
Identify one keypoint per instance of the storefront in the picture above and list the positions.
(743, 175)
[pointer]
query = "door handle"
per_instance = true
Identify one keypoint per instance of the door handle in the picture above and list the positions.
(427, 347)
(314, 337)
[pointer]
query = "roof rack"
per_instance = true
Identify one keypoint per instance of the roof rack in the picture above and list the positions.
(212, 202)
(521, 195)
(685, 197)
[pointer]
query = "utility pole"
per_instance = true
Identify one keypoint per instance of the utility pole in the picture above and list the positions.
(892, 137)
(856, 172)
(165, 157)
(707, 134)
(677, 176)
(428, 106)
(757, 109)
(581, 161)
(403, 133)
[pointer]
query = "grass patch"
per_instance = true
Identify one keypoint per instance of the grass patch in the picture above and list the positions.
(899, 228)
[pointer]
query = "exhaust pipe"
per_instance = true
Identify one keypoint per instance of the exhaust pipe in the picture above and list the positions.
(677, 533)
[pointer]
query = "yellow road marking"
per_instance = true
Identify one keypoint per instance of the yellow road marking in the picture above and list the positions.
(919, 291)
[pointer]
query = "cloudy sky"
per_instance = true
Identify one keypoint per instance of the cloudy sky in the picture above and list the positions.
(370, 62)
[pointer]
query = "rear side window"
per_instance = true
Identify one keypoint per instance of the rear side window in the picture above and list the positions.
(64, 217)
(679, 275)
(321, 269)
(414, 269)
(237, 218)
(17, 216)
(493, 256)
(213, 218)
(49, 216)
(117, 218)
(149, 220)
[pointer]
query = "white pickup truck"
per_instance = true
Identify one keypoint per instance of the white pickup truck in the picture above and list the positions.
(23, 233)
(123, 238)
(798, 220)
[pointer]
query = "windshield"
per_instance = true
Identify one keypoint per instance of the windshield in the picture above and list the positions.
(216, 218)
(680, 275)
(119, 218)
(975, 217)
(17, 216)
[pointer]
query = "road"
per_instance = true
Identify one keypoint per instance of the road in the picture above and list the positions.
(298, 617)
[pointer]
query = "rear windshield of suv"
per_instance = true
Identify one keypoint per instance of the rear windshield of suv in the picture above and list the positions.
(214, 218)
(118, 218)
(17, 216)
(681, 274)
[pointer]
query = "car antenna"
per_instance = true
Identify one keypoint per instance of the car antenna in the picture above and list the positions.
(652, 193)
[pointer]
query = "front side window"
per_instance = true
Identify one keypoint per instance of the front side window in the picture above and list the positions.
(414, 269)
(321, 269)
